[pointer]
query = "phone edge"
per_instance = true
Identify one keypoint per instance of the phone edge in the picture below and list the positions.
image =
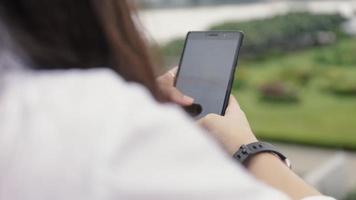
(232, 75)
(181, 58)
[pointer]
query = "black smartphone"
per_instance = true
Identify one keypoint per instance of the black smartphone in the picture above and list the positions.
(206, 70)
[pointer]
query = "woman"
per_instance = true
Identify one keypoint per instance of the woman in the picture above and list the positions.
(70, 130)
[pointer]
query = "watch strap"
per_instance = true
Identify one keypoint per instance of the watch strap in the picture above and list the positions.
(245, 152)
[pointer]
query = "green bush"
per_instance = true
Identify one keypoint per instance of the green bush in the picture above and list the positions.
(346, 87)
(286, 32)
(339, 82)
(342, 54)
(279, 92)
(301, 75)
(333, 74)
(277, 34)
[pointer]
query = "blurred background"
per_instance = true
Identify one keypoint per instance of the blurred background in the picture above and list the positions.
(296, 79)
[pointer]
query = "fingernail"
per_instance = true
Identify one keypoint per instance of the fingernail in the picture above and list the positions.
(188, 99)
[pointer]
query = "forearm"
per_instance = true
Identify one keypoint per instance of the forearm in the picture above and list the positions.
(233, 131)
(271, 170)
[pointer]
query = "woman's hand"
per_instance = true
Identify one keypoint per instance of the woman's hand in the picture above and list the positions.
(166, 84)
(231, 130)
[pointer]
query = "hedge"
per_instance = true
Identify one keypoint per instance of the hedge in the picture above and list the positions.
(277, 34)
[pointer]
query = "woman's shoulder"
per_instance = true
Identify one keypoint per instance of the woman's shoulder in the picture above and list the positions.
(80, 105)
(98, 81)
(98, 94)
(91, 86)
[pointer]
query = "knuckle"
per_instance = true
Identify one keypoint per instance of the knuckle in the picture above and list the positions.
(175, 93)
(211, 116)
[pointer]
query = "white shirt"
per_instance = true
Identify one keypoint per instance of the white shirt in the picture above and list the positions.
(86, 135)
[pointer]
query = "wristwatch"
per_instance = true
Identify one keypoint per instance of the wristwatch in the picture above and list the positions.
(245, 152)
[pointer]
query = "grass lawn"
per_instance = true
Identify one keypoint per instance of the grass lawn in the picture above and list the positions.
(320, 118)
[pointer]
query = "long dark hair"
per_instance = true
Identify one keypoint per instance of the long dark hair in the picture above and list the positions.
(65, 34)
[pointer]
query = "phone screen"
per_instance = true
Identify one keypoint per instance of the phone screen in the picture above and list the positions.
(206, 70)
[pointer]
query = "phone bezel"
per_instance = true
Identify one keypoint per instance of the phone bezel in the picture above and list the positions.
(208, 34)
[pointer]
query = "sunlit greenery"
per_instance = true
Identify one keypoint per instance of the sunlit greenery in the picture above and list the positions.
(305, 94)
(321, 117)
(290, 32)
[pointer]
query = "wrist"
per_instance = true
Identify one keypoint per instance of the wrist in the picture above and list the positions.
(261, 159)
(233, 145)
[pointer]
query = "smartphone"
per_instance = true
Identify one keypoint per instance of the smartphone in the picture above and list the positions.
(206, 70)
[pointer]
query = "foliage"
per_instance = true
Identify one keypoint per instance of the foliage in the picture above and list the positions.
(286, 32)
(338, 81)
(320, 117)
(173, 48)
(278, 92)
(312, 76)
(278, 34)
(300, 75)
(342, 54)
(351, 196)
(343, 86)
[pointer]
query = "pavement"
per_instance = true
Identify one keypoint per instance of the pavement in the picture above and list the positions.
(306, 159)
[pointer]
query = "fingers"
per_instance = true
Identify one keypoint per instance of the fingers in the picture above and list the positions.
(166, 82)
(173, 72)
(176, 96)
(233, 106)
(169, 77)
